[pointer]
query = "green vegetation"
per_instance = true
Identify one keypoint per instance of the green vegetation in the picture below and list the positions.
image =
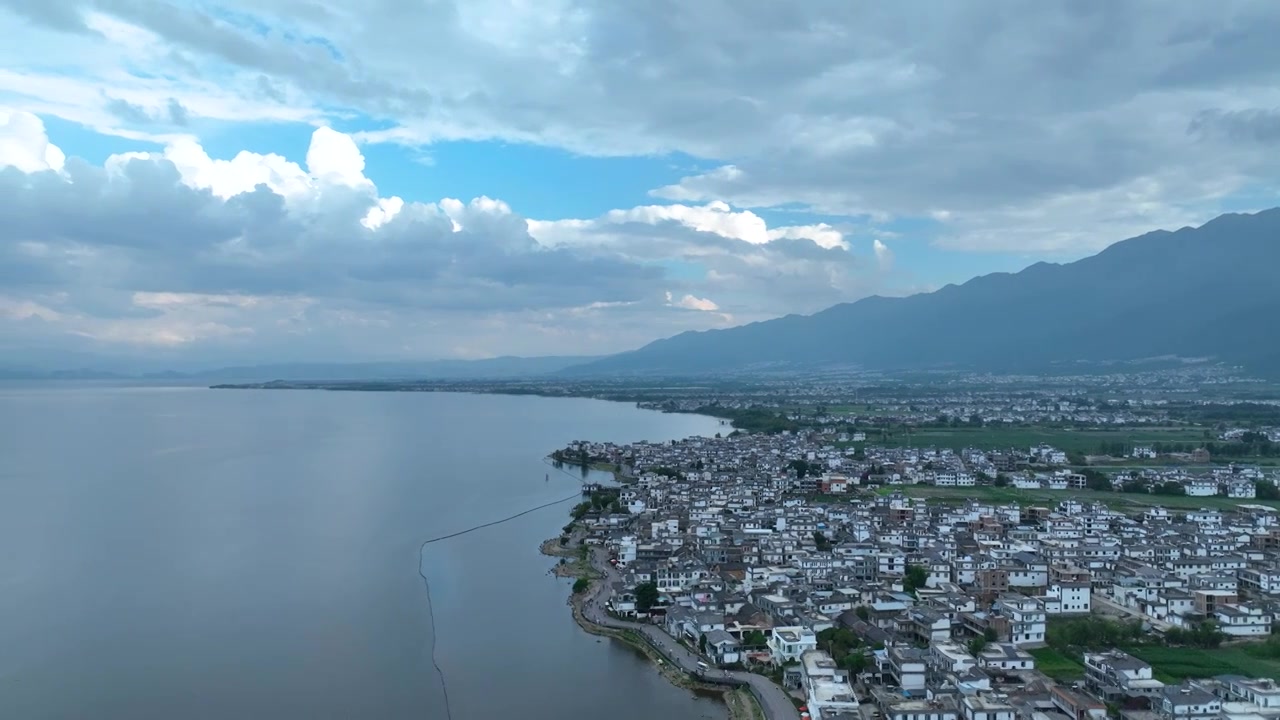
(646, 596)
(580, 585)
(821, 541)
(1070, 440)
(1057, 665)
(1182, 662)
(804, 468)
(761, 420)
(1202, 635)
(1089, 633)
(915, 578)
(1194, 652)
(845, 647)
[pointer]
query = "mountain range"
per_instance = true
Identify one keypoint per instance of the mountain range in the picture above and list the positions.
(1210, 292)
(1206, 292)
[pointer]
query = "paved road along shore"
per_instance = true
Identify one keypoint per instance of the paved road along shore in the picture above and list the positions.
(773, 700)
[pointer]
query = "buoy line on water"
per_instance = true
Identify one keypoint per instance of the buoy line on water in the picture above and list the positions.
(431, 613)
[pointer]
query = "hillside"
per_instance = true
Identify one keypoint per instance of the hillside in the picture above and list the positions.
(1212, 291)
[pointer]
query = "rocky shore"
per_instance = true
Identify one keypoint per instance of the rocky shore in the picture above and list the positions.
(739, 701)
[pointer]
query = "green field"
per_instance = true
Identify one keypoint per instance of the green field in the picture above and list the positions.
(998, 437)
(1057, 665)
(1116, 500)
(1173, 664)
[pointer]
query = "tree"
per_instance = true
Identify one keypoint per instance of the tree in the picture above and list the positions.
(855, 662)
(821, 541)
(1001, 480)
(1267, 490)
(1095, 480)
(702, 643)
(646, 596)
(977, 645)
(915, 578)
(580, 585)
(863, 613)
(754, 639)
(1169, 488)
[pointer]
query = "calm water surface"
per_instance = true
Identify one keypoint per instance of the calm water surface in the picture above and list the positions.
(191, 553)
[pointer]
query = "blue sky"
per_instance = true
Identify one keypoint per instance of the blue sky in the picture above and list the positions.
(494, 177)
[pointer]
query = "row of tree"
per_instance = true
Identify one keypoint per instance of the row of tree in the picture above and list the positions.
(1098, 633)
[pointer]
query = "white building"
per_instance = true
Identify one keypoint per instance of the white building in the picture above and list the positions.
(787, 644)
(1026, 618)
(1068, 598)
(1241, 490)
(1243, 620)
(906, 666)
(986, 707)
(1006, 657)
(826, 686)
(1188, 702)
(1201, 487)
(951, 657)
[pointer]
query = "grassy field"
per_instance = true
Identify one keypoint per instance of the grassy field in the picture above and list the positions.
(1114, 500)
(1173, 664)
(997, 437)
(1056, 665)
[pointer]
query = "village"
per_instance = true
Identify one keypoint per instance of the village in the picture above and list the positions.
(940, 584)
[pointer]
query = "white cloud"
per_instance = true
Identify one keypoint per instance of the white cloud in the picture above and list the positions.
(884, 256)
(882, 111)
(715, 217)
(689, 302)
(24, 144)
(257, 256)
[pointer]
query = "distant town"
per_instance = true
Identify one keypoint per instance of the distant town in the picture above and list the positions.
(905, 560)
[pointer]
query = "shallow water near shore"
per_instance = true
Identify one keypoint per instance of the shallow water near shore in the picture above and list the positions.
(184, 552)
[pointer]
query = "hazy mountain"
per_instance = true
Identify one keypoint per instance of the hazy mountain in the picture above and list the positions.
(1212, 291)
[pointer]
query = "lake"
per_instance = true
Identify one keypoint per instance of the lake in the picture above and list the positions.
(193, 553)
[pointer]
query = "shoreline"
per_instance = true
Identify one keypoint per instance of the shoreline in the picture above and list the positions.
(738, 701)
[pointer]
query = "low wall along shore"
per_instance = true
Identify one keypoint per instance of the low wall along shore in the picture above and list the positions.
(739, 696)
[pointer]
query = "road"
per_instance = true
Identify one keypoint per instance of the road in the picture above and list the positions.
(773, 700)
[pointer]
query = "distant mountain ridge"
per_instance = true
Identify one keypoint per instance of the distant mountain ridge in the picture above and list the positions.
(1212, 291)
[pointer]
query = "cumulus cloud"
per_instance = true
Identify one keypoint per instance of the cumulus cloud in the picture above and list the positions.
(175, 250)
(689, 302)
(24, 144)
(1093, 122)
(880, 111)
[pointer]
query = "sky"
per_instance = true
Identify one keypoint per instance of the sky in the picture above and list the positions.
(226, 182)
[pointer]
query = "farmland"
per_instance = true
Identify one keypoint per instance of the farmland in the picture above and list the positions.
(1071, 440)
(1057, 665)
(1116, 500)
(1172, 664)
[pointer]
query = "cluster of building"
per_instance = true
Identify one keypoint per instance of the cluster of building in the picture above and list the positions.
(839, 462)
(753, 562)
